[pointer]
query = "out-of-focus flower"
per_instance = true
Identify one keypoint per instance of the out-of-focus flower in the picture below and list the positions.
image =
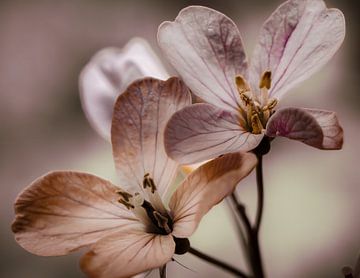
(205, 47)
(129, 229)
(109, 73)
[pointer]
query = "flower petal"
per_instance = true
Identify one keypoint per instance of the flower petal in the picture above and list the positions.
(331, 129)
(63, 211)
(297, 40)
(124, 254)
(203, 131)
(139, 120)
(205, 187)
(108, 74)
(206, 49)
(316, 128)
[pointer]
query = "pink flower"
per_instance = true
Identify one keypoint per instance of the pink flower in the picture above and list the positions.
(108, 74)
(206, 49)
(128, 229)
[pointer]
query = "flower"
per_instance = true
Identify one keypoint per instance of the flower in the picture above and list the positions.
(128, 229)
(108, 74)
(206, 49)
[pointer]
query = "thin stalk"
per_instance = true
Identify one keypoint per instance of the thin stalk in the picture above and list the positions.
(253, 243)
(242, 232)
(162, 271)
(218, 263)
(260, 190)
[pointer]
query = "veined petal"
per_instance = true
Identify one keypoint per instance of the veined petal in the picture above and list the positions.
(63, 211)
(205, 187)
(297, 40)
(206, 49)
(202, 131)
(125, 254)
(139, 120)
(331, 128)
(317, 128)
(108, 74)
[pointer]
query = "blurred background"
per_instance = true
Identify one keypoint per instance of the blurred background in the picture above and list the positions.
(311, 220)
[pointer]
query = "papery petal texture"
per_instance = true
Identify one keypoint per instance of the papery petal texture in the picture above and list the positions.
(205, 187)
(206, 49)
(331, 128)
(125, 254)
(139, 120)
(63, 211)
(108, 74)
(203, 131)
(297, 40)
(317, 128)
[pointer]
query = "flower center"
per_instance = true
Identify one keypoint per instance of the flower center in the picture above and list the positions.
(151, 212)
(255, 109)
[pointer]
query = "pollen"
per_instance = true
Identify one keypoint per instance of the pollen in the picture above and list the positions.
(255, 108)
(149, 182)
(125, 199)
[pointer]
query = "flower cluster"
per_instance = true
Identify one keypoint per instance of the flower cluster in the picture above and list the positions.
(154, 127)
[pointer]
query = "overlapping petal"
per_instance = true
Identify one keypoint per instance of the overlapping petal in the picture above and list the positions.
(63, 211)
(206, 49)
(139, 120)
(108, 74)
(203, 131)
(125, 254)
(296, 41)
(205, 187)
(316, 128)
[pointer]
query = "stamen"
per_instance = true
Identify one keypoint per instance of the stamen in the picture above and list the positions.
(256, 124)
(246, 99)
(241, 84)
(125, 199)
(154, 197)
(265, 81)
(271, 105)
(149, 182)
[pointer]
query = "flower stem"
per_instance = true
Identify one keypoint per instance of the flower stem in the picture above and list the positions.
(218, 263)
(162, 271)
(253, 232)
(260, 189)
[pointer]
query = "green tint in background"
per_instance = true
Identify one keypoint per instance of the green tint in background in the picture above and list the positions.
(311, 220)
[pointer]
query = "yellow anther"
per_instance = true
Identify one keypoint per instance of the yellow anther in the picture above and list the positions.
(245, 98)
(256, 124)
(149, 182)
(241, 84)
(271, 105)
(265, 81)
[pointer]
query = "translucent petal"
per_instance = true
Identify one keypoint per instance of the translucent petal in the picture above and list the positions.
(206, 49)
(205, 187)
(108, 74)
(140, 116)
(297, 40)
(317, 128)
(202, 131)
(63, 211)
(124, 254)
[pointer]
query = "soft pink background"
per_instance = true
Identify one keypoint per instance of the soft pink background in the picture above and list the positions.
(311, 221)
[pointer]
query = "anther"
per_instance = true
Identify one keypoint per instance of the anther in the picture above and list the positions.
(256, 124)
(149, 182)
(271, 105)
(241, 84)
(125, 199)
(265, 81)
